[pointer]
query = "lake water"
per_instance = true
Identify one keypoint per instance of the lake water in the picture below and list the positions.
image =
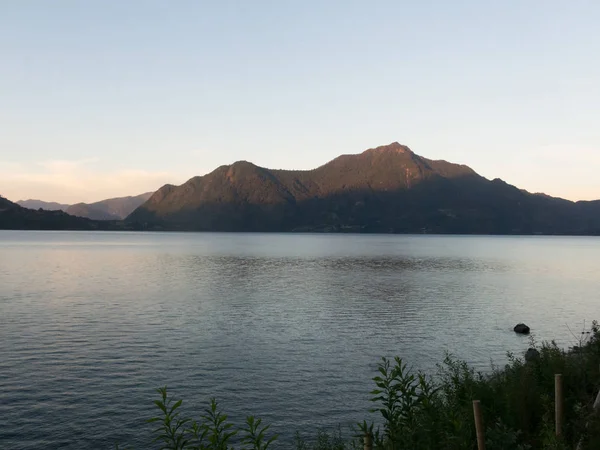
(288, 327)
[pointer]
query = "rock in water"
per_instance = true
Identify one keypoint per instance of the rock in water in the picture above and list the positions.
(532, 354)
(522, 328)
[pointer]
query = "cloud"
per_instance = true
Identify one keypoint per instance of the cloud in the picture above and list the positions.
(76, 181)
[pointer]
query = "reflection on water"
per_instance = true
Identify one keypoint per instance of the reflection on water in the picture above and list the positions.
(289, 327)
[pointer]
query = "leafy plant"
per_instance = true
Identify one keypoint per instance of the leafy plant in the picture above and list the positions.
(256, 436)
(171, 432)
(217, 431)
(212, 432)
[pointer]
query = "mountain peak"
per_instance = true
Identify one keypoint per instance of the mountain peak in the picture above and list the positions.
(243, 163)
(394, 147)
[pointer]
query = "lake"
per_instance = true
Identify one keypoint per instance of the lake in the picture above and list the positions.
(289, 327)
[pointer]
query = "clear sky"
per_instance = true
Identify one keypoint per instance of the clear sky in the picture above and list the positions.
(109, 98)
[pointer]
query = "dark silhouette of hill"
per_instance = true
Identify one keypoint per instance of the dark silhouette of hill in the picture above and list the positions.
(15, 217)
(387, 189)
(110, 209)
(40, 204)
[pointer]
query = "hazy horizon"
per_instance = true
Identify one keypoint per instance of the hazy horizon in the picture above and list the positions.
(114, 99)
(154, 190)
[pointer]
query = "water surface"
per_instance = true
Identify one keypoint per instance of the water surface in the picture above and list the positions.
(288, 327)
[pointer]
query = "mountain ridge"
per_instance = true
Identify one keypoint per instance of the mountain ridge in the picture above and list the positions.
(116, 208)
(383, 189)
(16, 217)
(40, 204)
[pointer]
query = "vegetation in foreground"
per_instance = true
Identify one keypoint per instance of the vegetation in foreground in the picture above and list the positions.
(418, 411)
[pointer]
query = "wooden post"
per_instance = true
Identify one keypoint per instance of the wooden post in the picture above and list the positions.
(558, 403)
(596, 406)
(368, 442)
(597, 402)
(479, 425)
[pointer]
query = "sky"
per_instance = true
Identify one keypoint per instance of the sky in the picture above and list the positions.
(113, 98)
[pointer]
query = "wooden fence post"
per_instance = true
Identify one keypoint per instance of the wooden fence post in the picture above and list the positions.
(558, 403)
(368, 442)
(479, 425)
(597, 402)
(596, 406)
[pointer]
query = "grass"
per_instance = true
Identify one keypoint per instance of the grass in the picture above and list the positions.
(422, 411)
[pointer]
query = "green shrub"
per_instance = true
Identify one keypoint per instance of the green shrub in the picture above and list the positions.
(212, 432)
(421, 412)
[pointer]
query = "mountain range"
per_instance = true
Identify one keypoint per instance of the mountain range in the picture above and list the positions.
(388, 189)
(111, 209)
(40, 204)
(16, 217)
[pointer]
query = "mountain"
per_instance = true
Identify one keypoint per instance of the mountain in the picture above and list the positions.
(385, 189)
(15, 217)
(111, 209)
(39, 204)
(90, 212)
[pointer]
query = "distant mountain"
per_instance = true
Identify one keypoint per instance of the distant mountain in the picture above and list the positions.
(39, 204)
(15, 217)
(386, 189)
(90, 212)
(111, 209)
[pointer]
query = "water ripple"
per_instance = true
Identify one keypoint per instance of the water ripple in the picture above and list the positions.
(288, 327)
